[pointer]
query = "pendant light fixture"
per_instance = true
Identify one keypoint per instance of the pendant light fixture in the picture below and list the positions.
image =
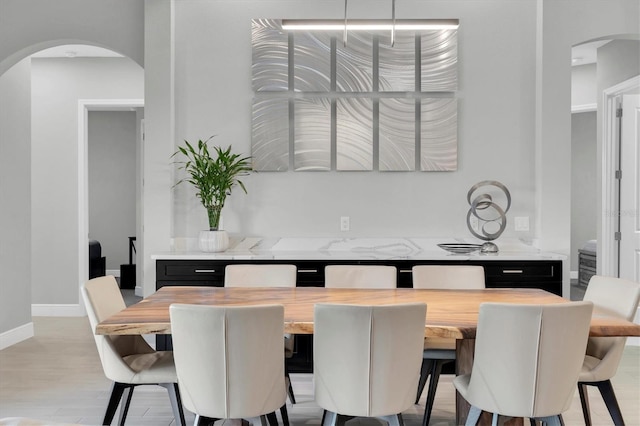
(369, 24)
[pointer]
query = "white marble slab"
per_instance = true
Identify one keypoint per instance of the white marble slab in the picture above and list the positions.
(360, 249)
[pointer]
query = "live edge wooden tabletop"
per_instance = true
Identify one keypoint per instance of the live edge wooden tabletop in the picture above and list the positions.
(450, 313)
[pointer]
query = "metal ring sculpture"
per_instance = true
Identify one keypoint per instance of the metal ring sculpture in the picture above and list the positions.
(483, 202)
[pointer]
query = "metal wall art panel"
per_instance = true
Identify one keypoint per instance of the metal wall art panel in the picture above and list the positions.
(397, 135)
(369, 127)
(312, 62)
(439, 134)
(397, 64)
(312, 130)
(439, 60)
(354, 63)
(270, 56)
(270, 135)
(354, 134)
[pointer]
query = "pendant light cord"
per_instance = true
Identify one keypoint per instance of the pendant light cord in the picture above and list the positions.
(344, 37)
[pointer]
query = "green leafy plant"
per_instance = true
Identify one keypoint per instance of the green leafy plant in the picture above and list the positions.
(213, 176)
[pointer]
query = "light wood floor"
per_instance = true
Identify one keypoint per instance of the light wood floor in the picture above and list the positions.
(56, 376)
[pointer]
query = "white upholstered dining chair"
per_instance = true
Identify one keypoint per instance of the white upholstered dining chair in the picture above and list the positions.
(127, 360)
(358, 369)
(360, 276)
(619, 297)
(527, 360)
(229, 360)
(267, 275)
(440, 351)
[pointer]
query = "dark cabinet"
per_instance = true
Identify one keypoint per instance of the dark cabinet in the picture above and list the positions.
(542, 274)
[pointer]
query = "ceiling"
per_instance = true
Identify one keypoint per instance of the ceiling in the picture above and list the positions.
(76, 51)
(586, 53)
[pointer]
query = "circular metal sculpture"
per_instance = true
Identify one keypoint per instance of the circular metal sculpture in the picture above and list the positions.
(491, 217)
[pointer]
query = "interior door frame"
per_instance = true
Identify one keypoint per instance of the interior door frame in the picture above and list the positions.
(84, 106)
(607, 252)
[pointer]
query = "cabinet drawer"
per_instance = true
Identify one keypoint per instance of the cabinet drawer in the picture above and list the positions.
(189, 270)
(523, 271)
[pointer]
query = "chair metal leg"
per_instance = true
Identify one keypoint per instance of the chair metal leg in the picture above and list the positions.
(284, 415)
(494, 419)
(124, 407)
(609, 397)
(329, 418)
(116, 395)
(292, 397)
(473, 416)
(551, 420)
(425, 369)
(584, 401)
(176, 402)
(433, 386)
(270, 419)
(204, 421)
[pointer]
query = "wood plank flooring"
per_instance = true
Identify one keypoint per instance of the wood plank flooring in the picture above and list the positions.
(56, 376)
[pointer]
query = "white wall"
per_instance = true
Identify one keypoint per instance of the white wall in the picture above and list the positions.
(57, 85)
(112, 183)
(496, 121)
(15, 204)
(583, 86)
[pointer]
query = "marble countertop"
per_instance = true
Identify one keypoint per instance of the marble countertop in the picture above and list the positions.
(359, 249)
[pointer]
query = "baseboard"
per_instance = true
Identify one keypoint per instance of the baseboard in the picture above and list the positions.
(17, 335)
(114, 272)
(60, 310)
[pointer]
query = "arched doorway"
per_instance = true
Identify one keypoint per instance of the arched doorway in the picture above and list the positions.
(65, 82)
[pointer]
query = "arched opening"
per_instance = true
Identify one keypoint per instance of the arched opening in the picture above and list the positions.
(65, 83)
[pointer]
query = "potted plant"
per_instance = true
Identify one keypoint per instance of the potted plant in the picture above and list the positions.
(213, 176)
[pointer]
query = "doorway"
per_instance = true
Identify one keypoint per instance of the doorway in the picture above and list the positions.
(104, 105)
(620, 181)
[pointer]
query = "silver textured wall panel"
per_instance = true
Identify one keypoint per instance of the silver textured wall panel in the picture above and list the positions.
(312, 130)
(270, 134)
(270, 57)
(439, 60)
(397, 136)
(384, 141)
(354, 63)
(397, 64)
(312, 62)
(439, 135)
(354, 134)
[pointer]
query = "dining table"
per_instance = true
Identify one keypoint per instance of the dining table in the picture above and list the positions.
(450, 313)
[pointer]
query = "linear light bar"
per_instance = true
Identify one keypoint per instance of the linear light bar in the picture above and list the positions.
(369, 24)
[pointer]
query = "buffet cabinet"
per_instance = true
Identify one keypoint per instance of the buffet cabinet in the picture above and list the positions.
(542, 274)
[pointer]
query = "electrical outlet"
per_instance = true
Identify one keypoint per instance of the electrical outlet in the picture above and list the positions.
(521, 223)
(344, 223)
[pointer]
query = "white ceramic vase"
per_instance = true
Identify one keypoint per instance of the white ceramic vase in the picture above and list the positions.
(213, 241)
